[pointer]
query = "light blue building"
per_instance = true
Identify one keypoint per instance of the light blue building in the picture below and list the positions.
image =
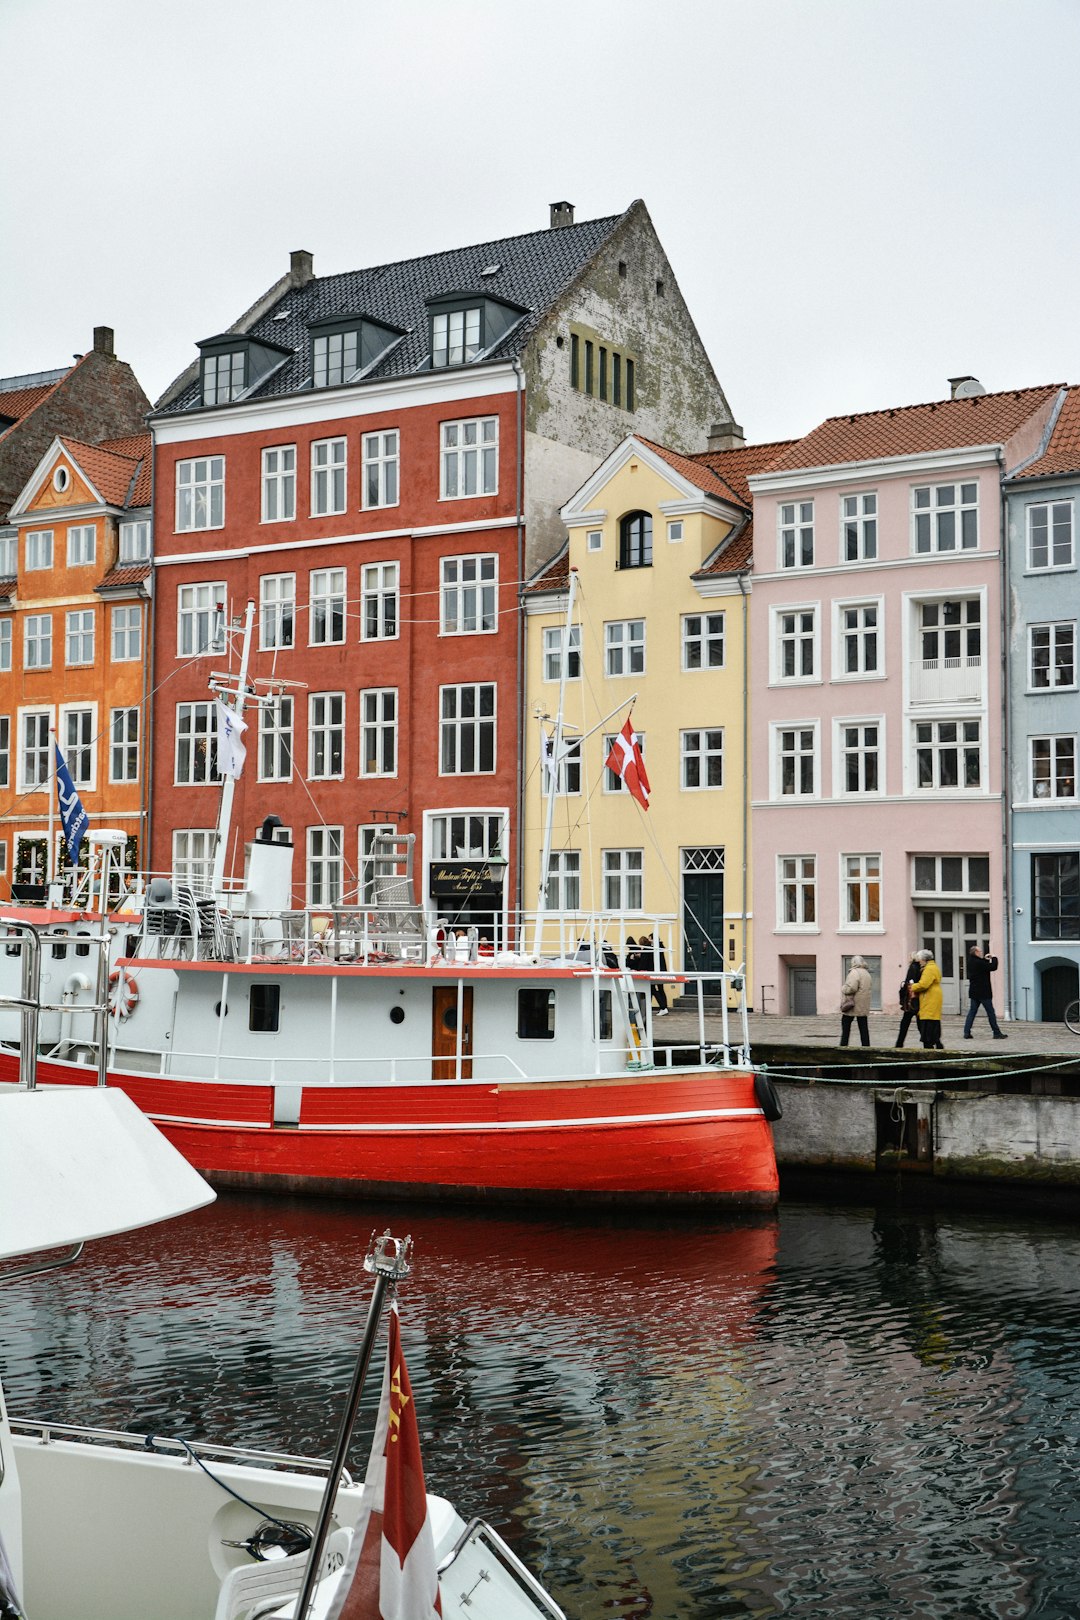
(1043, 722)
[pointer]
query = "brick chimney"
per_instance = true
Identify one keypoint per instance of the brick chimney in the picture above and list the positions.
(562, 213)
(726, 436)
(301, 267)
(103, 341)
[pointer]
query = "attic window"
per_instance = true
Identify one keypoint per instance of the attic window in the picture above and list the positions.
(455, 337)
(224, 376)
(334, 357)
(61, 478)
(491, 269)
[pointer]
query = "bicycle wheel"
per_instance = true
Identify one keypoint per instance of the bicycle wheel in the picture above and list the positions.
(1072, 1016)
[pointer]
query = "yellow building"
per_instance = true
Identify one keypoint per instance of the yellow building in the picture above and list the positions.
(661, 547)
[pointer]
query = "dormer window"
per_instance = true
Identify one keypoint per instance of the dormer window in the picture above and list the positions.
(455, 337)
(224, 377)
(467, 324)
(232, 366)
(344, 347)
(334, 357)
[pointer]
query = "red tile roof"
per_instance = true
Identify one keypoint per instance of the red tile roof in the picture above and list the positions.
(125, 574)
(736, 552)
(1063, 452)
(696, 471)
(553, 576)
(112, 469)
(18, 402)
(944, 424)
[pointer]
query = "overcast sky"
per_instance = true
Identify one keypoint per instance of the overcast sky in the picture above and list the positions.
(859, 198)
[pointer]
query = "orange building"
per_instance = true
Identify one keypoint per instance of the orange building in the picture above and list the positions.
(75, 652)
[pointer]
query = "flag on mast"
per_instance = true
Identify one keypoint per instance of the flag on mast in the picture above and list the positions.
(231, 750)
(73, 818)
(390, 1573)
(627, 762)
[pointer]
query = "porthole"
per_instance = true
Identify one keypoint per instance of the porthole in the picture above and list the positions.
(61, 478)
(397, 1015)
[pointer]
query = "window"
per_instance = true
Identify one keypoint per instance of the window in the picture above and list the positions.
(277, 610)
(797, 761)
(365, 889)
(77, 731)
(635, 540)
(334, 357)
(223, 376)
(35, 752)
(9, 556)
(325, 865)
(594, 539)
(467, 730)
(675, 532)
(379, 478)
(81, 545)
(951, 633)
(858, 625)
(624, 647)
(328, 463)
(860, 757)
(568, 775)
(470, 590)
(798, 891)
(196, 744)
(796, 644)
(946, 517)
(80, 637)
(536, 1014)
(193, 859)
(470, 458)
(1055, 889)
(37, 641)
(613, 782)
(948, 754)
(952, 874)
(5, 645)
(135, 541)
(276, 739)
(279, 484)
(378, 731)
(379, 601)
(702, 759)
(1053, 767)
(1053, 655)
(862, 891)
(124, 745)
(39, 549)
(326, 735)
(200, 494)
(859, 527)
(564, 881)
(797, 534)
(623, 879)
(1050, 535)
(455, 337)
(5, 750)
(126, 634)
(264, 1008)
(598, 369)
(326, 592)
(703, 641)
(200, 625)
(553, 646)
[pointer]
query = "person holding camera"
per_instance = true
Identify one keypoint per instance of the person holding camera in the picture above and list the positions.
(980, 966)
(909, 1001)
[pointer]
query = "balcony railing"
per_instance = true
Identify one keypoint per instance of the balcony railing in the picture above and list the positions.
(946, 680)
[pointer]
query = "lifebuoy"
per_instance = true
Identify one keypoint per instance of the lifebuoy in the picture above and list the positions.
(767, 1099)
(123, 994)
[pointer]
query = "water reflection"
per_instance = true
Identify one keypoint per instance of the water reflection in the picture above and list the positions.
(845, 1412)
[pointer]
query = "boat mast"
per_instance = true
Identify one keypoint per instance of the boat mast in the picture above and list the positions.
(552, 763)
(228, 787)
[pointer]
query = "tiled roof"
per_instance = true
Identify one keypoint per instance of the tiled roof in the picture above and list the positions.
(533, 271)
(114, 466)
(736, 552)
(17, 402)
(1063, 452)
(944, 424)
(696, 472)
(125, 574)
(553, 576)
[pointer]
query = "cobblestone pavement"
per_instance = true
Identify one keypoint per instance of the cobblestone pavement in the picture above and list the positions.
(822, 1032)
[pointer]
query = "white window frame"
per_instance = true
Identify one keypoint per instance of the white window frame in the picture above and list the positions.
(76, 731)
(326, 722)
(380, 469)
(552, 653)
(365, 862)
(860, 877)
(594, 540)
(624, 644)
(125, 627)
(795, 535)
(940, 746)
(700, 748)
(327, 587)
(861, 633)
(81, 545)
(40, 721)
(9, 556)
(564, 881)
(380, 591)
(469, 594)
(200, 494)
(7, 637)
(193, 858)
(277, 721)
(278, 484)
(469, 458)
(5, 750)
(568, 774)
(335, 357)
(329, 476)
(623, 879)
(196, 723)
(80, 637)
(612, 782)
(124, 744)
(135, 540)
(39, 550)
(37, 641)
(201, 615)
(277, 612)
(1050, 509)
(675, 531)
(799, 634)
(379, 731)
(859, 527)
(706, 637)
(324, 866)
(455, 336)
(934, 508)
(796, 875)
(1068, 638)
(799, 752)
(1060, 756)
(477, 729)
(862, 751)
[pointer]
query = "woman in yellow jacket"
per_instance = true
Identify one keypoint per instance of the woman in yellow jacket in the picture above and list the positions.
(928, 989)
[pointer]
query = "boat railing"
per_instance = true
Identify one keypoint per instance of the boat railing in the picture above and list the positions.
(478, 1534)
(46, 1433)
(302, 1073)
(27, 938)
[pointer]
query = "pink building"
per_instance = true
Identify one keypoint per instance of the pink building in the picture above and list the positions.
(876, 730)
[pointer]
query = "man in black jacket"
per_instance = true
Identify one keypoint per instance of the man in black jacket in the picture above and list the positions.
(980, 967)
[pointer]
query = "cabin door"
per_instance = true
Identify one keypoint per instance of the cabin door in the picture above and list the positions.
(444, 1032)
(703, 914)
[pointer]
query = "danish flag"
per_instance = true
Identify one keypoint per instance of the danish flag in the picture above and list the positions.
(626, 761)
(391, 1573)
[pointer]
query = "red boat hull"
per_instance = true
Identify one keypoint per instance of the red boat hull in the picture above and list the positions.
(689, 1136)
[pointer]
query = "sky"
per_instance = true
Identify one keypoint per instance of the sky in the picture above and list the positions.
(859, 198)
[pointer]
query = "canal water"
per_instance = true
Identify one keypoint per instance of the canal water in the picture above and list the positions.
(845, 1411)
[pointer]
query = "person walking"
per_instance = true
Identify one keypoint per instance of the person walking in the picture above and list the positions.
(980, 992)
(928, 989)
(855, 993)
(909, 1001)
(655, 961)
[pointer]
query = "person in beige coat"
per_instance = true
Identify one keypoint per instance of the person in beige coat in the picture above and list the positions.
(856, 989)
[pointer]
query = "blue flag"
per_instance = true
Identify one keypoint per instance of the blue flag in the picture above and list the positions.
(73, 818)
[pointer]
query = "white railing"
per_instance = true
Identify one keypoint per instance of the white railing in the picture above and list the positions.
(946, 680)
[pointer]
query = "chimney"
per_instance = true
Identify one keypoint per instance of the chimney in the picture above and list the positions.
(965, 388)
(562, 213)
(103, 341)
(726, 436)
(301, 267)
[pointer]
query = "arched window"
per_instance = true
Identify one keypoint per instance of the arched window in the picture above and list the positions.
(635, 540)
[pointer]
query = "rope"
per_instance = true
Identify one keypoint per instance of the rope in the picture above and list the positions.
(792, 1072)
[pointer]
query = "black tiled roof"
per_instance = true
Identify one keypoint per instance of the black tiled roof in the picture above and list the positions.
(533, 272)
